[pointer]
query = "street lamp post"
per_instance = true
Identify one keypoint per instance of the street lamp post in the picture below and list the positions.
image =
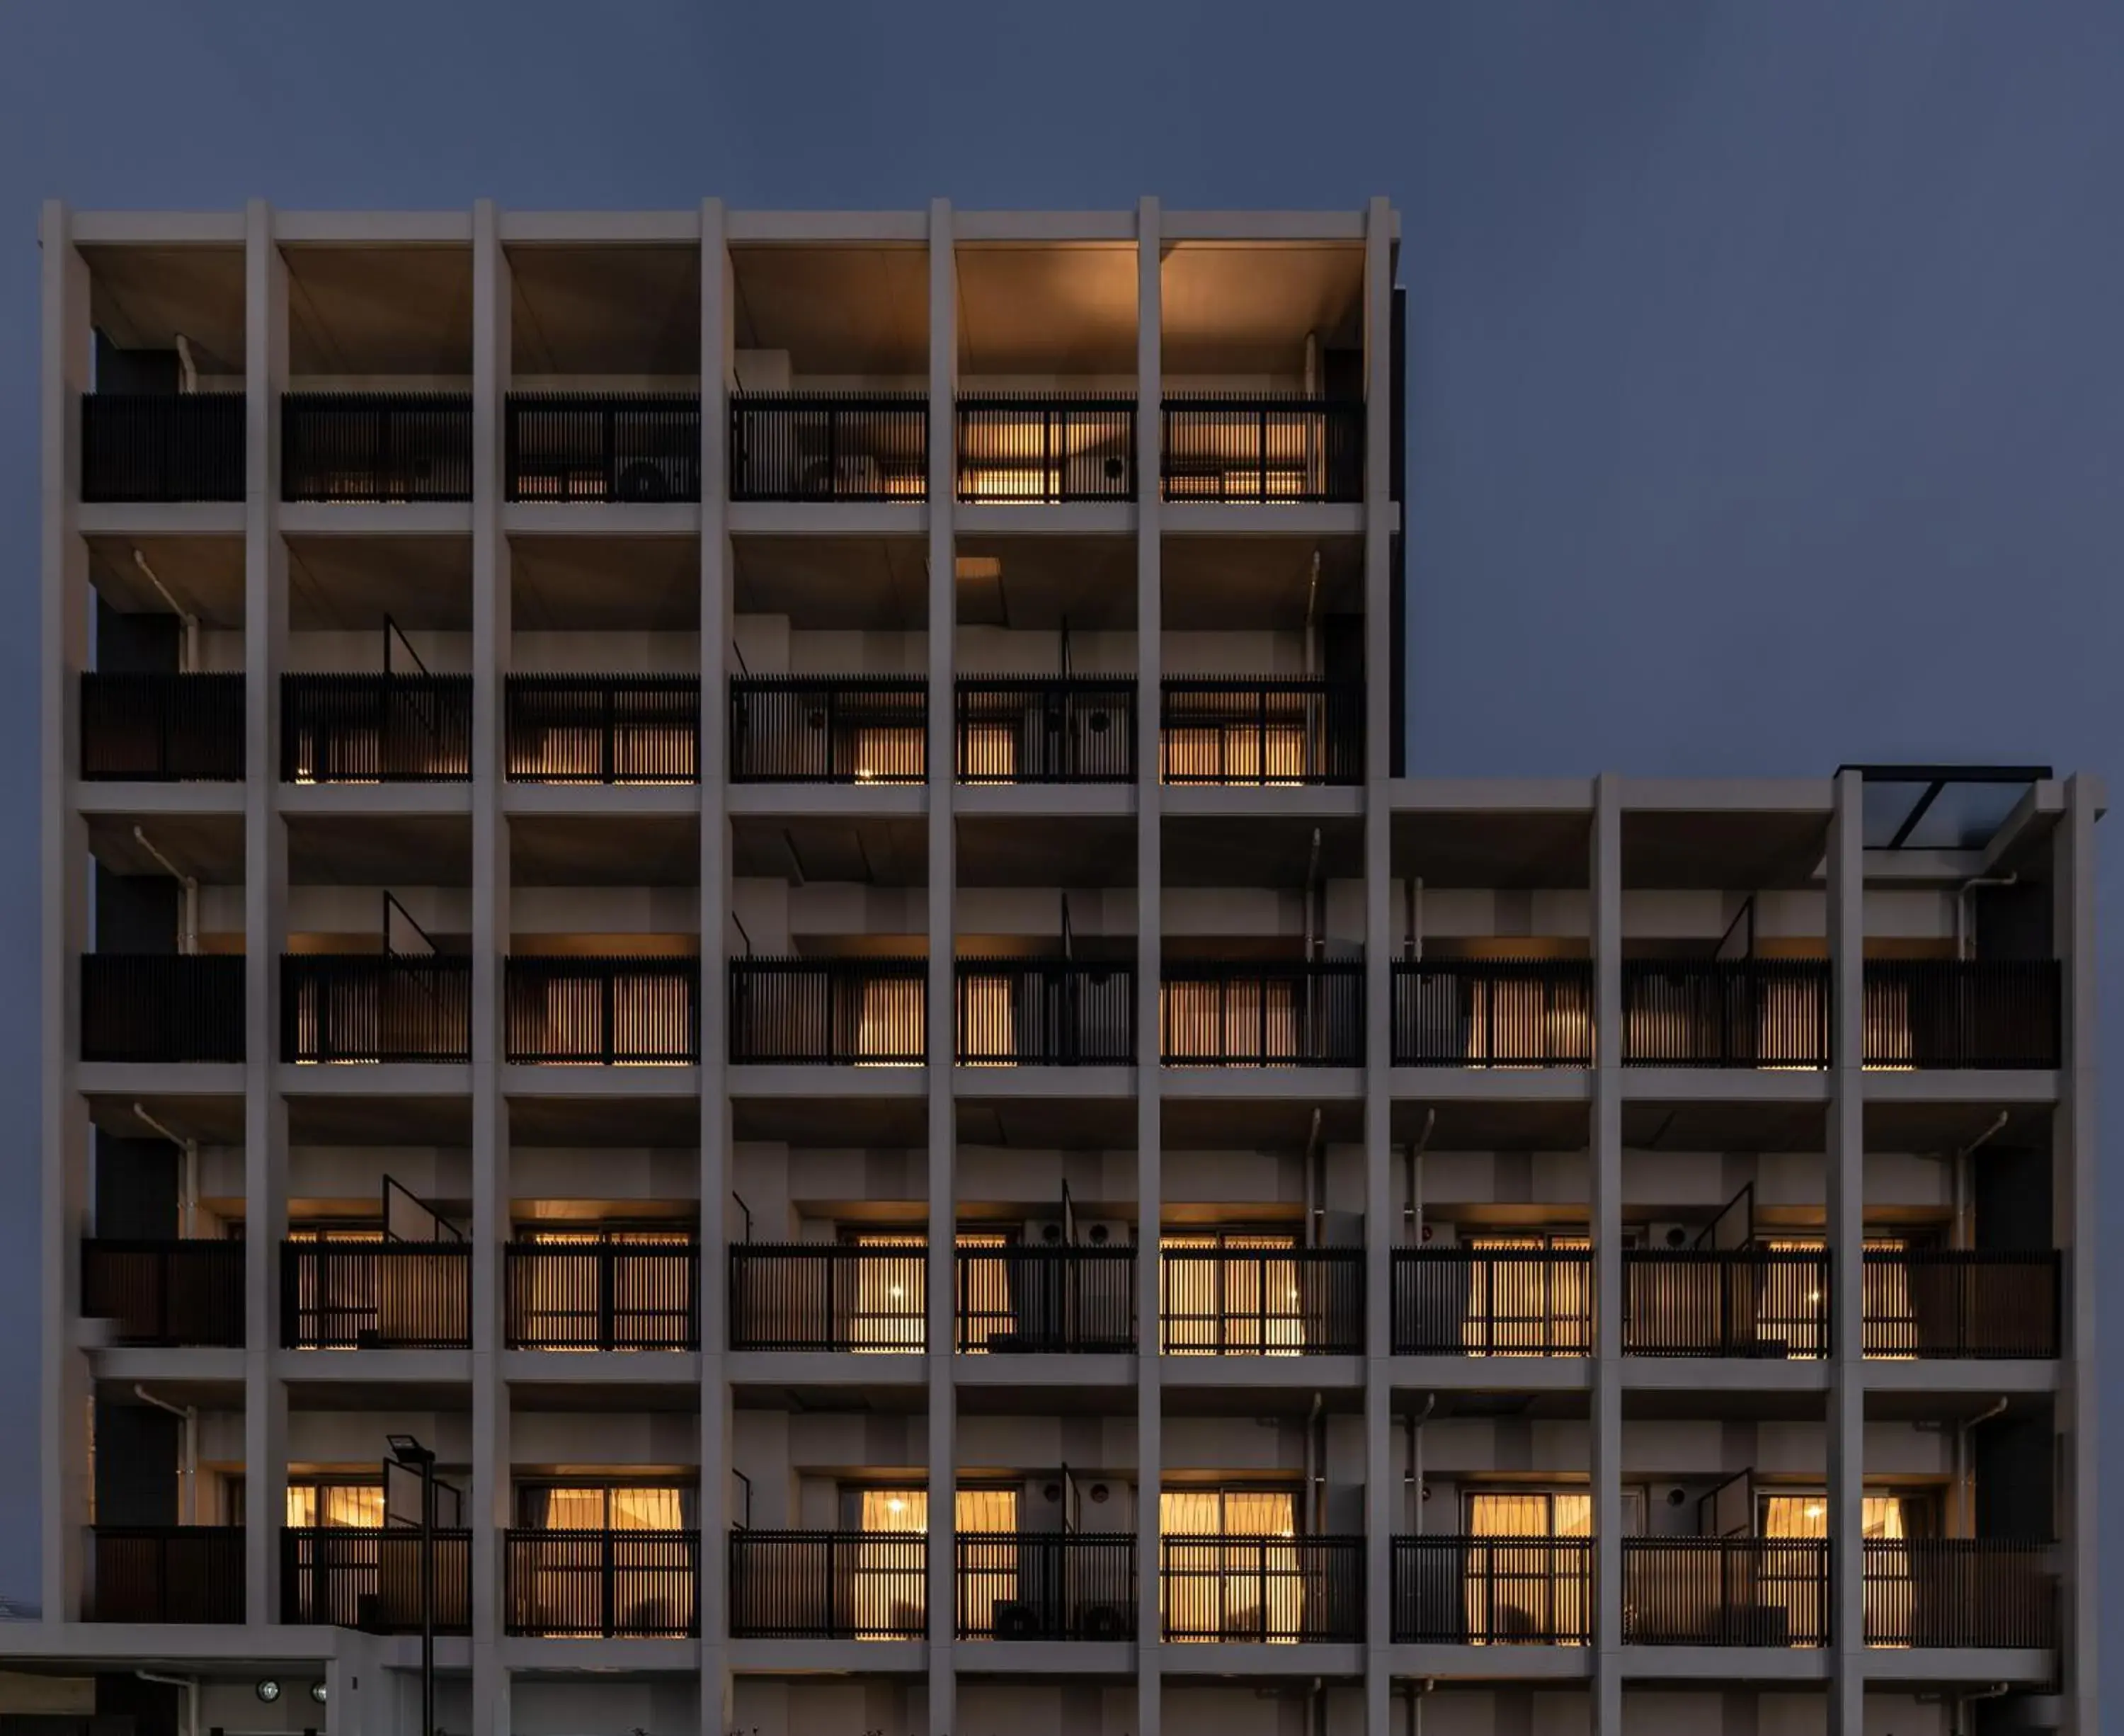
(414, 1456)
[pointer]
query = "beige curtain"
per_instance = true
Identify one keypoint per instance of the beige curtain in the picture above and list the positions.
(1238, 1021)
(888, 1304)
(1520, 1589)
(983, 1292)
(988, 1021)
(891, 1028)
(892, 1593)
(355, 1504)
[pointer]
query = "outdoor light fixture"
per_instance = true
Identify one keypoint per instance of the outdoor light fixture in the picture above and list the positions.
(407, 1450)
(318, 1692)
(268, 1691)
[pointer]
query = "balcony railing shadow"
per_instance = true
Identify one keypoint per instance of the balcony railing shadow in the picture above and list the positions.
(829, 729)
(1720, 1013)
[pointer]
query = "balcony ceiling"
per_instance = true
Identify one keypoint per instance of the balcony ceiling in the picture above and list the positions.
(1494, 849)
(1224, 851)
(361, 1119)
(352, 584)
(379, 850)
(1035, 584)
(866, 852)
(627, 1120)
(1942, 1127)
(209, 847)
(403, 311)
(204, 574)
(212, 1120)
(142, 297)
(1257, 583)
(1247, 309)
(1242, 1124)
(878, 584)
(612, 849)
(1081, 853)
(1714, 1126)
(856, 312)
(617, 310)
(1502, 1125)
(575, 584)
(1046, 310)
(1060, 1123)
(1739, 852)
(832, 1123)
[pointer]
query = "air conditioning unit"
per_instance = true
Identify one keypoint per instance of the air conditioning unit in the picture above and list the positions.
(1048, 1232)
(1668, 1237)
(1106, 1621)
(1016, 1620)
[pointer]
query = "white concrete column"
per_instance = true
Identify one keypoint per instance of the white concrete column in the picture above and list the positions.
(63, 1165)
(264, 911)
(717, 1707)
(944, 941)
(491, 1193)
(1381, 1486)
(1845, 865)
(2075, 1139)
(1604, 1159)
(1149, 871)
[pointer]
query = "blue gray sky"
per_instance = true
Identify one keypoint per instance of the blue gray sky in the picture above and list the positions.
(1767, 402)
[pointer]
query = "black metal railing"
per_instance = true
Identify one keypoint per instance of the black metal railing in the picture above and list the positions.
(1720, 1013)
(1045, 1585)
(1940, 1302)
(162, 1006)
(828, 1012)
(161, 446)
(603, 1012)
(1961, 1012)
(1036, 729)
(375, 729)
(829, 729)
(1492, 1591)
(602, 1296)
(1493, 1301)
(1045, 1013)
(829, 1585)
(1493, 1012)
(1264, 447)
(1262, 1588)
(370, 1007)
(829, 446)
(1047, 447)
(164, 1291)
(385, 446)
(358, 1576)
(165, 1572)
(828, 1296)
(1038, 1301)
(1725, 1591)
(604, 729)
(1261, 1302)
(375, 1295)
(1260, 730)
(603, 1584)
(162, 729)
(637, 447)
(1725, 1302)
(1217, 1013)
(1961, 1592)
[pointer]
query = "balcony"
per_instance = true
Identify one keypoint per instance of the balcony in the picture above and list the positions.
(375, 729)
(1263, 449)
(1040, 1301)
(370, 1007)
(829, 1295)
(1217, 1013)
(829, 729)
(1045, 1585)
(1045, 1013)
(603, 1584)
(638, 448)
(148, 1007)
(1725, 1591)
(576, 1011)
(828, 1012)
(164, 1293)
(1960, 1592)
(829, 446)
(1926, 1012)
(604, 729)
(1232, 1300)
(162, 729)
(1942, 1302)
(350, 1576)
(1045, 448)
(1261, 732)
(829, 1585)
(1492, 1591)
(1034, 730)
(161, 447)
(1278, 1590)
(375, 1295)
(1493, 1302)
(1493, 1012)
(1720, 1013)
(165, 1572)
(376, 446)
(602, 1294)
(1739, 1302)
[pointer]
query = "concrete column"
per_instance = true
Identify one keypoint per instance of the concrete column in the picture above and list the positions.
(489, 947)
(1149, 923)
(64, 1161)
(2075, 1141)
(717, 1707)
(1845, 877)
(941, 1034)
(1381, 1486)
(1604, 1155)
(264, 911)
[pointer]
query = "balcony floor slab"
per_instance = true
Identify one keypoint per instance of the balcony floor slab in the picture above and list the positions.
(1060, 1372)
(600, 801)
(1022, 1081)
(376, 518)
(1958, 1376)
(617, 1369)
(1035, 518)
(662, 518)
(146, 799)
(782, 1369)
(1725, 1084)
(1982, 1665)
(1301, 1084)
(376, 1368)
(677, 1079)
(1108, 1657)
(827, 801)
(1258, 802)
(361, 801)
(828, 518)
(1313, 520)
(134, 1079)
(1735, 1663)
(1490, 1374)
(829, 1656)
(1725, 1374)
(1035, 801)
(1981, 1086)
(138, 519)
(883, 1080)
(526, 1654)
(390, 1078)
(1543, 1663)
(1493, 1085)
(1242, 1658)
(1251, 1373)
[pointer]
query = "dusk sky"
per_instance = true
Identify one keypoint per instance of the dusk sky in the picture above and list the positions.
(1766, 391)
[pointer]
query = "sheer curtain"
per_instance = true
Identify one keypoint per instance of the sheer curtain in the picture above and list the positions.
(360, 1505)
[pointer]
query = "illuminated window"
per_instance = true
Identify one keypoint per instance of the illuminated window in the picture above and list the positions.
(1249, 1304)
(1231, 1566)
(1528, 1306)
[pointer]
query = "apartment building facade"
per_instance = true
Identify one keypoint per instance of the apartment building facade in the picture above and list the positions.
(713, 879)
